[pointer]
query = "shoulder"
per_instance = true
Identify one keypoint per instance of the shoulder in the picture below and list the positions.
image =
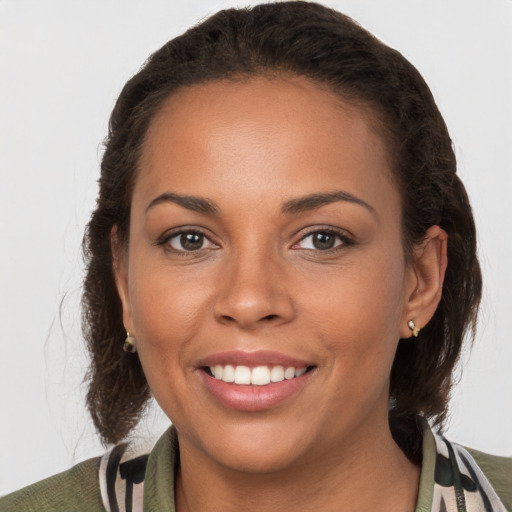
(113, 482)
(453, 475)
(74, 490)
(498, 471)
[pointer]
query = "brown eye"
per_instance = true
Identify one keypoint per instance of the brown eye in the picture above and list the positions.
(322, 241)
(189, 241)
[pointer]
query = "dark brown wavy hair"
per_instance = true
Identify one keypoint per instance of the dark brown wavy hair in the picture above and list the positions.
(328, 48)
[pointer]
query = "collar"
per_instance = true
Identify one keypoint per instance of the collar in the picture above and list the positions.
(450, 481)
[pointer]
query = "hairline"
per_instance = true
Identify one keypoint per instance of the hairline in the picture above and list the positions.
(373, 113)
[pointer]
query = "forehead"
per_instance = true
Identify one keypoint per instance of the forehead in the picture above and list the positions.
(262, 132)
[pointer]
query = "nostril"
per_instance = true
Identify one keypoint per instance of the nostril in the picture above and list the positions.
(228, 318)
(267, 318)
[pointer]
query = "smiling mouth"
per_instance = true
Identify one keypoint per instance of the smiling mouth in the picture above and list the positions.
(256, 376)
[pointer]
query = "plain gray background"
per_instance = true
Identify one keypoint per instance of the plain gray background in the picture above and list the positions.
(62, 65)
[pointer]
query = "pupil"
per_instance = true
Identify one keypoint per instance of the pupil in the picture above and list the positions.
(191, 241)
(323, 241)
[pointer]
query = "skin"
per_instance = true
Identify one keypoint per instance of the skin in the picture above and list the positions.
(259, 283)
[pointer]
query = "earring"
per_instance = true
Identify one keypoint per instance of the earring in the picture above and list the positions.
(130, 344)
(412, 326)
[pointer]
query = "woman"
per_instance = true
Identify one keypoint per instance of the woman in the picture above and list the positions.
(278, 206)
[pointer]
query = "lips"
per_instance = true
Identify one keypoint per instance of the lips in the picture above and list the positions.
(253, 381)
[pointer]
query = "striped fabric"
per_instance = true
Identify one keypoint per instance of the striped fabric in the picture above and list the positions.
(122, 479)
(455, 481)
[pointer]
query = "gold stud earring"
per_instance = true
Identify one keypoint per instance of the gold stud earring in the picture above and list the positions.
(412, 326)
(130, 344)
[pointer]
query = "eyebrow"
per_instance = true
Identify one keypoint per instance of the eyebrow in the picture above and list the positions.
(194, 203)
(314, 201)
(294, 206)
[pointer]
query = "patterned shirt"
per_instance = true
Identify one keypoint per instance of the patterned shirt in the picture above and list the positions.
(451, 480)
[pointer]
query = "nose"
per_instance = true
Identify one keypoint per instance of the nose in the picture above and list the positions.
(252, 293)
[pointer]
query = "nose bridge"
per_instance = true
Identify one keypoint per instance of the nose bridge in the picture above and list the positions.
(251, 292)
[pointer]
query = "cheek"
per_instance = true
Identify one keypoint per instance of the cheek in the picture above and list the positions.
(165, 320)
(164, 299)
(164, 311)
(363, 296)
(360, 310)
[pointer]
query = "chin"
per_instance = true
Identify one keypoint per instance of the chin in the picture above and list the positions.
(254, 447)
(257, 459)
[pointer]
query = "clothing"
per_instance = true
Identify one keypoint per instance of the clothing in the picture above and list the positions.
(120, 480)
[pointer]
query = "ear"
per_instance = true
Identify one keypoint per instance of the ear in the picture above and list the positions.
(120, 270)
(424, 282)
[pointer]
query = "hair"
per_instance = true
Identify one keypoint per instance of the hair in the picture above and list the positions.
(306, 40)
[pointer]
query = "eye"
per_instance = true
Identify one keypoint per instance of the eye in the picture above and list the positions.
(322, 241)
(188, 241)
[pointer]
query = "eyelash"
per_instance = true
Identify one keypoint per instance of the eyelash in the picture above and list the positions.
(342, 236)
(164, 241)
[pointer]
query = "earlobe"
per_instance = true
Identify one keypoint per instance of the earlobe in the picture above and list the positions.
(428, 269)
(120, 271)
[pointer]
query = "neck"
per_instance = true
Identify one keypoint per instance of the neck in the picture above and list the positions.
(373, 474)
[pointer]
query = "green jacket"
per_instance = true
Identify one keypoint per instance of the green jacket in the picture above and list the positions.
(104, 483)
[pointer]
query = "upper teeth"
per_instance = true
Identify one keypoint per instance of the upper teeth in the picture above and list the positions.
(258, 376)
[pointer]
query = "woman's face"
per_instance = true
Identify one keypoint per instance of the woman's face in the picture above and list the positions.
(266, 235)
